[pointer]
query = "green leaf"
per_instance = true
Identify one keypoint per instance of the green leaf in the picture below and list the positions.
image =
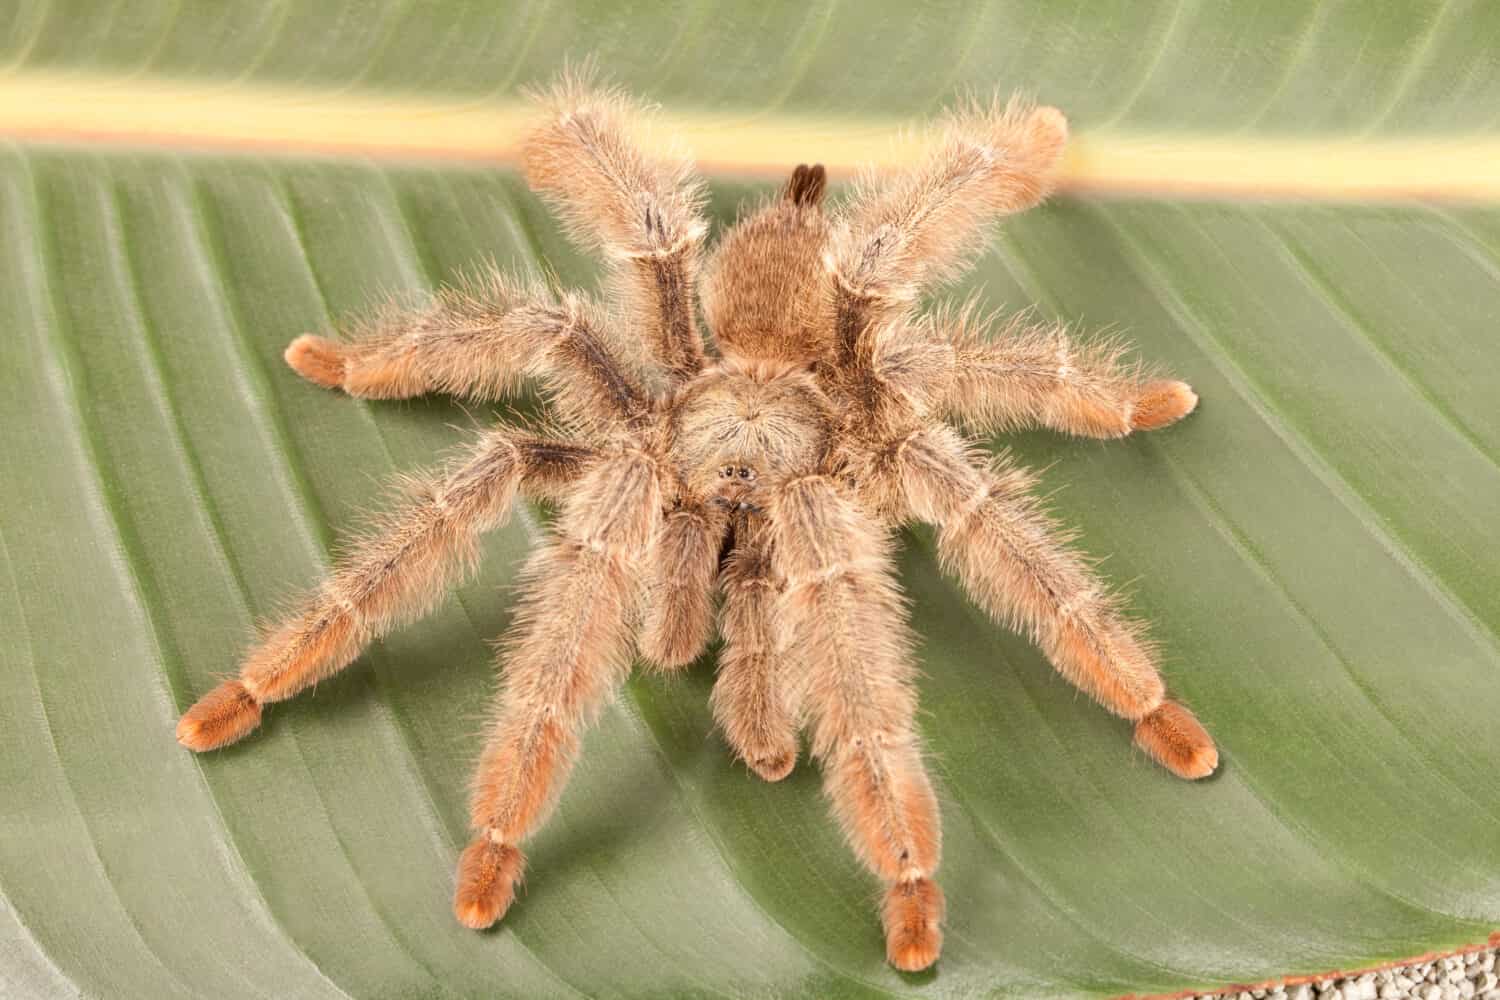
(1315, 548)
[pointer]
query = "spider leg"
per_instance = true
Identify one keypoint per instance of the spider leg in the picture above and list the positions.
(926, 224)
(751, 698)
(679, 617)
(1016, 564)
(568, 650)
(1031, 374)
(642, 213)
(844, 615)
(765, 284)
(479, 339)
(397, 573)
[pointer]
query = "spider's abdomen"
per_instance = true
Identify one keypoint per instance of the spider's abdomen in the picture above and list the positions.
(767, 305)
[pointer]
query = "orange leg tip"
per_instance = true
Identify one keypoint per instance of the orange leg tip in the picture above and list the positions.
(1161, 403)
(669, 658)
(223, 716)
(316, 359)
(1050, 122)
(773, 766)
(487, 876)
(1176, 740)
(913, 918)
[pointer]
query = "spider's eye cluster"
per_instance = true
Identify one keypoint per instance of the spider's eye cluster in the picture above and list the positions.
(737, 472)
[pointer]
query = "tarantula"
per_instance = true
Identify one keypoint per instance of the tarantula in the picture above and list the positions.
(773, 471)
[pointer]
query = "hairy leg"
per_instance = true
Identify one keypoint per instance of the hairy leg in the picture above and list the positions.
(642, 214)
(844, 615)
(924, 225)
(1030, 374)
(764, 286)
(1017, 565)
(396, 573)
(568, 650)
(479, 339)
(679, 618)
(751, 700)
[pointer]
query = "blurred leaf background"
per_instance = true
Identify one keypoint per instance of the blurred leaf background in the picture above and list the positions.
(1316, 547)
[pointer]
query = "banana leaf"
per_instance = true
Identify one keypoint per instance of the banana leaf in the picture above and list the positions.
(1290, 205)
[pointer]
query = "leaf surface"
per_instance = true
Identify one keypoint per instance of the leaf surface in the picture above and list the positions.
(1315, 547)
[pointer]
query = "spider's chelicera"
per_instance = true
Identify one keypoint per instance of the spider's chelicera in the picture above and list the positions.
(772, 471)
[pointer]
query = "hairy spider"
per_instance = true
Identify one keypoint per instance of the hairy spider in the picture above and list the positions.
(774, 471)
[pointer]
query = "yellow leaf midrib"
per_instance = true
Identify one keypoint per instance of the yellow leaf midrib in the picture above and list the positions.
(200, 114)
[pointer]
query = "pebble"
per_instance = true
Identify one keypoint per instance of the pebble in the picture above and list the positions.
(1471, 976)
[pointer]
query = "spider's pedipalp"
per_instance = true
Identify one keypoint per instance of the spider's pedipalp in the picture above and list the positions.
(845, 621)
(679, 617)
(479, 339)
(568, 650)
(753, 696)
(922, 226)
(398, 572)
(644, 213)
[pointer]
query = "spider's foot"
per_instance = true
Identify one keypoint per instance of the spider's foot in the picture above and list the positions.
(1049, 127)
(773, 765)
(1176, 740)
(913, 918)
(223, 716)
(673, 651)
(487, 876)
(317, 359)
(1162, 402)
(769, 757)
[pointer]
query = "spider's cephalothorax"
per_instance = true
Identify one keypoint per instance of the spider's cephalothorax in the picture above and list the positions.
(771, 473)
(740, 429)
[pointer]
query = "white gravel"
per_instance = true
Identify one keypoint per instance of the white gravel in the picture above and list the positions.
(1470, 976)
